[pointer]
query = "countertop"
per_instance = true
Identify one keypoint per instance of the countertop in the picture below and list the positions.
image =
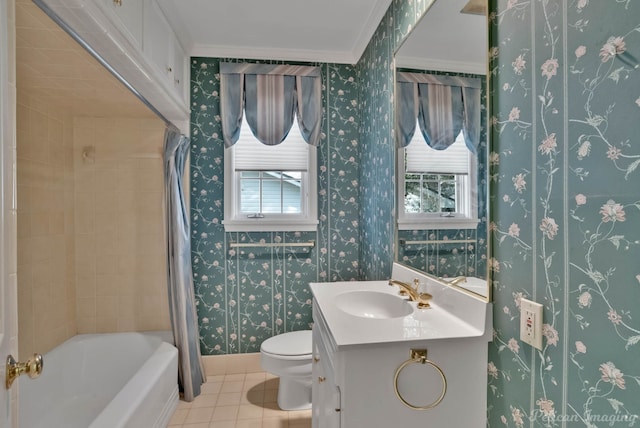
(422, 324)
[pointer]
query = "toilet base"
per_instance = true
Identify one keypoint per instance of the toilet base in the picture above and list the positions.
(294, 394)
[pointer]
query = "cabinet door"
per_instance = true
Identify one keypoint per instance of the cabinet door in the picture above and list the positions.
(128, 16)
(158, 38)
(317, 390)
(325, 394)
(179, 61)
(333, 408)
(317, 396)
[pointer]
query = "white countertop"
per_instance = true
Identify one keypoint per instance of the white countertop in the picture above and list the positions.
(423, 324)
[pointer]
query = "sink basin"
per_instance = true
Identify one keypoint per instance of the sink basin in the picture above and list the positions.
(373, 304)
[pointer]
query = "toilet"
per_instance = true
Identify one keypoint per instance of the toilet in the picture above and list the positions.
(288, 356)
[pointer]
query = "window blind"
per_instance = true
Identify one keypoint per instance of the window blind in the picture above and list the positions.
(290, 155)
(421, 158)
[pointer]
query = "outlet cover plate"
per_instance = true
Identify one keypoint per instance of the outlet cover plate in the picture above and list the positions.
(531, 323)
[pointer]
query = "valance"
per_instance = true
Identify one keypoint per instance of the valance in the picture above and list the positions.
(270, 95)
(443, 105)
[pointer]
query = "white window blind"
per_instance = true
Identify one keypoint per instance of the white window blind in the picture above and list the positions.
(423, 159)
(290, 155)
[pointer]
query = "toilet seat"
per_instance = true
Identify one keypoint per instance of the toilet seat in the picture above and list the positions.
(293, 345)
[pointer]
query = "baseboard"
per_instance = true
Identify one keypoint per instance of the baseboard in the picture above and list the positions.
(231, 364)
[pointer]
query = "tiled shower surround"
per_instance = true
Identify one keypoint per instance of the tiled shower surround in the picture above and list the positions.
(46, 233)
(91, 234)
(89, 195)
(120, 258)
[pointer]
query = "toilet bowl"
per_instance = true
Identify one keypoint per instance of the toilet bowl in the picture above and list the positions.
(288, 356)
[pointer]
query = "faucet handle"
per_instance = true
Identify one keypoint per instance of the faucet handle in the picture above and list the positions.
(425, 296)
(423, 300)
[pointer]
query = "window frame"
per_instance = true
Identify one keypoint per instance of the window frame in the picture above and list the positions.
(236, 221)
(466, 199)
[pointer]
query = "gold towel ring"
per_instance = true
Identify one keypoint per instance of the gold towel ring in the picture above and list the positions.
(419, 356)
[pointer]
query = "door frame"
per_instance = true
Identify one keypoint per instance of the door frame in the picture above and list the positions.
(8, 211)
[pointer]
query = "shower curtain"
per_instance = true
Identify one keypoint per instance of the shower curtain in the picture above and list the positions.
(184, 319)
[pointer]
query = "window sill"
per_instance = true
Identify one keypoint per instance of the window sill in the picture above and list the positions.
(438, 223)
(262, 225)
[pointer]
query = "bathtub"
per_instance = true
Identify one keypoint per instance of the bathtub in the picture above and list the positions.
(103, 381)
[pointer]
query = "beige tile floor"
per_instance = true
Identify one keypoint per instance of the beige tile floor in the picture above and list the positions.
(245, 400)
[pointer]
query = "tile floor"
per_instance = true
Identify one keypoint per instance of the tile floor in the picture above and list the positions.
(245, 400)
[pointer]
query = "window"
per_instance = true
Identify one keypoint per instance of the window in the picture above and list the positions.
(437, 187)
(270, 188)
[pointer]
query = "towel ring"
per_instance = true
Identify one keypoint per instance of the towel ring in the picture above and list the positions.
(419, 356)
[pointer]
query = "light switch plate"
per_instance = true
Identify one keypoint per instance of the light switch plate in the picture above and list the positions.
(531, 323)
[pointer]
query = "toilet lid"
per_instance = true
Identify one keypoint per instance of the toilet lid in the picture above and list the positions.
(292, 343)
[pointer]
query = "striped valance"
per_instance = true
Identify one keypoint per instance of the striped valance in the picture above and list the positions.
(270, 96)
(443, 106)
(272, 69)
(436, 79)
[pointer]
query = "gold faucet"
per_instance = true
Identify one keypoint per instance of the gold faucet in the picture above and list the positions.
(457, 280)
(413, 293)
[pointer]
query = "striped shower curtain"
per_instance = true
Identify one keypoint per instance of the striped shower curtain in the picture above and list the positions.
(184, 319)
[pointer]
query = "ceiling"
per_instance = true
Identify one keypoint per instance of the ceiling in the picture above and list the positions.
(55, 69)
(447, 40)
(294, 30)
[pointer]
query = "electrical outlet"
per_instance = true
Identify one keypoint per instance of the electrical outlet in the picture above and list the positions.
(531, 323)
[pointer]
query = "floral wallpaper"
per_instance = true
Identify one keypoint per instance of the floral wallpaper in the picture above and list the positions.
(246, 295)
(565, 210)
(376, 77)
(461, 256)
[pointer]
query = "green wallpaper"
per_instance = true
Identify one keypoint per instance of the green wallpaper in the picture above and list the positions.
(565, 208)
(376, 77)
(245, 296)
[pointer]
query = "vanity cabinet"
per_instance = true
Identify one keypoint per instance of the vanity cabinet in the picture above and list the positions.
(355, 360)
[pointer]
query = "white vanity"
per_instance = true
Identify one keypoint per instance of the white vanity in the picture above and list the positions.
(363, 366)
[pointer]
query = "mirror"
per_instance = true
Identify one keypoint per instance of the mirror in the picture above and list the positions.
(441, 218)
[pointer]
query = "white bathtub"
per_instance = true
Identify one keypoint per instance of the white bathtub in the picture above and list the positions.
(103, 381)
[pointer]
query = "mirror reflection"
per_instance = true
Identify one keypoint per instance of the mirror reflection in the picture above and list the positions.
(441, 136)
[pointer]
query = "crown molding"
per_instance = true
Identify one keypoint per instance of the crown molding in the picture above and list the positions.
(368, 30)
(216, 51)
(441, 65)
